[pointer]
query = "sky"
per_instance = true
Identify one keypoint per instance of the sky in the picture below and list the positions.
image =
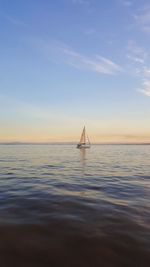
(69, 63)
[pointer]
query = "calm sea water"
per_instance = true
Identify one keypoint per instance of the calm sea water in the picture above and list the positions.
(60, 206)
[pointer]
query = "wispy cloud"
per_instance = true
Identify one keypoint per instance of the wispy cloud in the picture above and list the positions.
(136, 53)
(14, 21)
(146, 71)
(96, 63)
(90, 32)
(139, 64)
(127, 3)
(87, 5)
(142, 18)
(145, 88)
(23, 108)
(63, 54)
(81, 2)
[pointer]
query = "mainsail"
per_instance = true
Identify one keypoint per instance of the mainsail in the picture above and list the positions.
(83, 137)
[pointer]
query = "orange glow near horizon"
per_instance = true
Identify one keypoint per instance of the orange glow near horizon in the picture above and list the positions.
(94, 138)
(70, 131)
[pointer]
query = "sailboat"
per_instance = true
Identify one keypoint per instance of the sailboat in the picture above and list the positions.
(84, 140)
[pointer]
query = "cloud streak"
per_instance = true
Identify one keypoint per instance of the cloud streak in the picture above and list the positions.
(14, 21)
(96, 63)
(139, 62)
(136, 53)
(126, 3)
(81, 2)
(145, 88)
(142, 18)
(63, 54)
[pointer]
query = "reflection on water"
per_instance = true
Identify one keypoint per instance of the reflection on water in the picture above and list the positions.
(60, 206)
(82, 152)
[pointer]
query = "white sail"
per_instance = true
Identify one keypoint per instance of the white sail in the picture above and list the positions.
(83, 137)
(84, 140)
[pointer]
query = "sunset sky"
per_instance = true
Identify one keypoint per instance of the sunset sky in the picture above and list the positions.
(69, 63)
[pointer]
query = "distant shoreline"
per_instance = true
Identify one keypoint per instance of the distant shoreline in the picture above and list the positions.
(66, 143)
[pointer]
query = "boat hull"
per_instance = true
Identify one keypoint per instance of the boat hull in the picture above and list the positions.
(83, 146)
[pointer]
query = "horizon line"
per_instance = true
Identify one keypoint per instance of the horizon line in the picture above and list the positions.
(71, 143)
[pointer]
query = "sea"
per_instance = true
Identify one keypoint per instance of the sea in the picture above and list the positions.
(68, 207)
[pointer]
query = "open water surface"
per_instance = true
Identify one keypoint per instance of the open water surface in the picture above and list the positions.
(60, 206)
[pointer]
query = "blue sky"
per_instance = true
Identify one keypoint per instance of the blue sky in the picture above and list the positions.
(69, 63)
